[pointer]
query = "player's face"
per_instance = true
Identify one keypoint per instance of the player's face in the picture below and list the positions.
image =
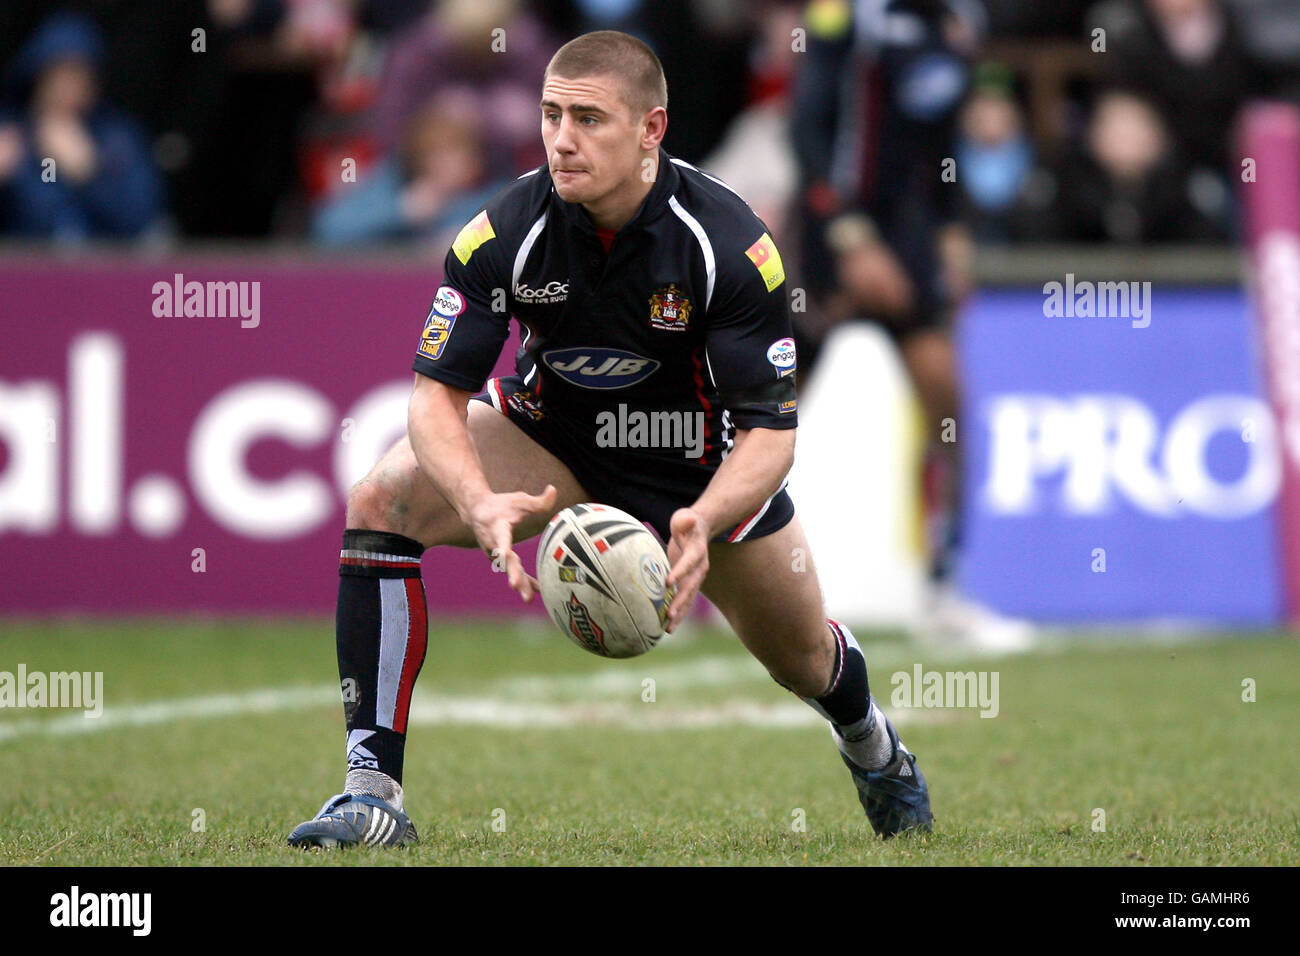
(594, 140)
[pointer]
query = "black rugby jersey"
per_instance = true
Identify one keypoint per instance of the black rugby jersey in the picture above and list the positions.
(686, 313)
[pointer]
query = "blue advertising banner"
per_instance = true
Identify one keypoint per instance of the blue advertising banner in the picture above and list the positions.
(1120, 456)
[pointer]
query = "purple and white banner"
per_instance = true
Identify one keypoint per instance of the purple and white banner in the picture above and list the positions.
(182, 435)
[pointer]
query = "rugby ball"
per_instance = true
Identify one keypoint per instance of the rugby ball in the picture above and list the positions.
(604, 580)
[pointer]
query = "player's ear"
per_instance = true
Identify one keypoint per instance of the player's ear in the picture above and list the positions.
(654, 124)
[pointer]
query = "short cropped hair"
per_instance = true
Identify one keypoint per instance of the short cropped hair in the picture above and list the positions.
(618, 54)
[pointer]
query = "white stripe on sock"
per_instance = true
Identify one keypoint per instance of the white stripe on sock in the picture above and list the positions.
(395, 628)
(378, 556)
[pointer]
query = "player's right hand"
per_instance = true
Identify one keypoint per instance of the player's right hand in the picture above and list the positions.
(493, 519)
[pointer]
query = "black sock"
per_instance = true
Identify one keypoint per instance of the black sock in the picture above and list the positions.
(848, 700)
(861, 730)
(381, 633)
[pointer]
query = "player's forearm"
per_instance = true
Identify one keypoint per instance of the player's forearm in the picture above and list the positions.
(437, 425)
(751, 474)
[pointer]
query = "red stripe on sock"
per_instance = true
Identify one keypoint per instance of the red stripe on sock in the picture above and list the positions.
(843, 654)
(376, 563)
(417, 639)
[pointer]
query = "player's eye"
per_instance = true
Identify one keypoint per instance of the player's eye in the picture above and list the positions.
(589, 117)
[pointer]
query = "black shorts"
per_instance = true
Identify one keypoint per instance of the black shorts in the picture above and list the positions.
(936, 319)
(651, 488)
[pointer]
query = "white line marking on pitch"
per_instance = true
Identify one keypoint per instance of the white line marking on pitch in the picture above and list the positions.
(623, 678)
(495, 712)
(508, 702)
(735, 712)
(163, 711)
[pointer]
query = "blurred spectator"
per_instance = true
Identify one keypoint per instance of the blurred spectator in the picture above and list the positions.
(1188, 59)
(995, 158)
(433, 184)
(1126, 184)
(74, 169)
(450, 51)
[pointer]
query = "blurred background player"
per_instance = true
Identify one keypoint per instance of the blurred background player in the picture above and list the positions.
(875, 120)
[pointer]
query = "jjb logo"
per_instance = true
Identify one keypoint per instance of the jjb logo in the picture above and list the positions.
(598, 367)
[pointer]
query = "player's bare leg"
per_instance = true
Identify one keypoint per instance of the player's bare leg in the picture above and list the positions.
(951, 617)
(931, 362)
(768, 591)
(397, 498)
(394, 514)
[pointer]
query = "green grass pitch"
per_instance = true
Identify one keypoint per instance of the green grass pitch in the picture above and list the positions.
(217, 738)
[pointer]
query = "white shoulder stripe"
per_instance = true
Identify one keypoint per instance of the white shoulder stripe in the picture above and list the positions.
(724, 185)
(526, 247)
(710, 265)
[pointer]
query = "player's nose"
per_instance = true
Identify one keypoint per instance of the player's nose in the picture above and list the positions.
(564, 140)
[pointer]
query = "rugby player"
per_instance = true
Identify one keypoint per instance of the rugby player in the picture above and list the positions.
(636, 279)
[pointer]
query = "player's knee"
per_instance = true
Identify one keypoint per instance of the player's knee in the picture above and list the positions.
(379, 503)
(375, 507)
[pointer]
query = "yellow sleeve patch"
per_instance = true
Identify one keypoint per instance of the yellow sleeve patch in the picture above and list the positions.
(767, 261)
(475, 232)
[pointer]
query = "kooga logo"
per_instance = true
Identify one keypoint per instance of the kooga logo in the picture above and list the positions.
(548, 294)
(599, 368)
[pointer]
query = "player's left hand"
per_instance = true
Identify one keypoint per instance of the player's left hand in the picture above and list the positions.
(493, 518)
(688, 560)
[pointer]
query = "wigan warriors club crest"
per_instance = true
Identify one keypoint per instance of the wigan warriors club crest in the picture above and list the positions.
(670, 310)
